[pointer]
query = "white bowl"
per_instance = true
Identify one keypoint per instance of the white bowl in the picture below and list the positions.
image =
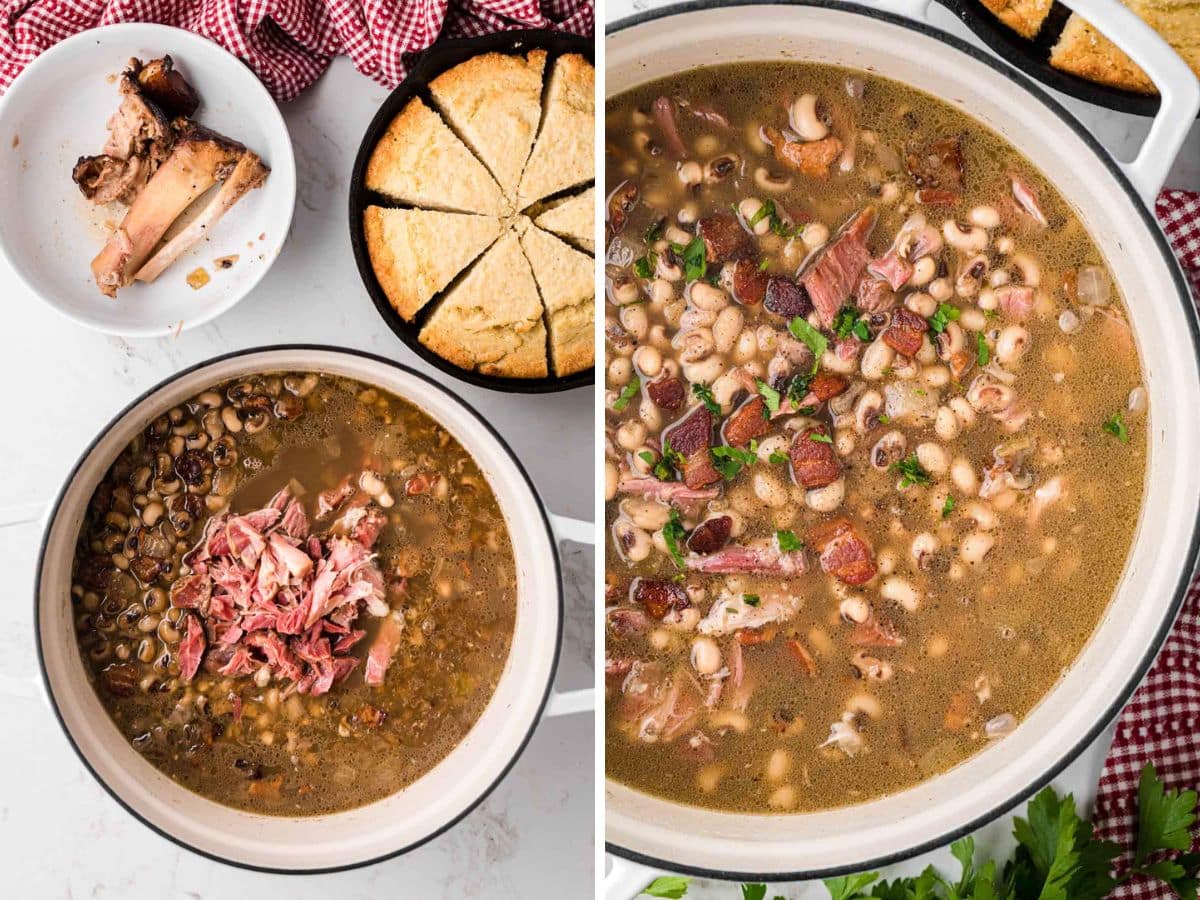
(56, 112)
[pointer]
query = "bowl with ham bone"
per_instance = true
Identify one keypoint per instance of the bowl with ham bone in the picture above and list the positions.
(275, 691)
(154, 192)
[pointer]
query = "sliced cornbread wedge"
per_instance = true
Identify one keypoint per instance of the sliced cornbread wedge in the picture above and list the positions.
(565, 279)
(564, 153)
(574, 219)
(1025, 17)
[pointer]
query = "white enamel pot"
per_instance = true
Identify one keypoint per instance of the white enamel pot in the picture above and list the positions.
(647, 834)
(407, 818)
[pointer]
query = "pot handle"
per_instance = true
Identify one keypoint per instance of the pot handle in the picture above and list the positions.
(564, 703)
(1176, 82)
(626, 880)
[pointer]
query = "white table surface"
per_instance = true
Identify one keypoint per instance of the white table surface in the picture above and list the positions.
(1122, 135)
(62, 836)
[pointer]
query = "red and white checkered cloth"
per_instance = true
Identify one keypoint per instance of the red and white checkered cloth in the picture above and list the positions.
(289, 43)
(1161, 724)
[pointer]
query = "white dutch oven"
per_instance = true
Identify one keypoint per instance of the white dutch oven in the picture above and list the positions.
(409, 817)
(1111, 200)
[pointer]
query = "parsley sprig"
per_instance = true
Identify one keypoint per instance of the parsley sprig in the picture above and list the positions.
(705, 395)
(1115, 425)
(848, 322)
(674, 534)
(628, 393)
(730, 461)
(911, 472)
(944, 315)
(695, 259)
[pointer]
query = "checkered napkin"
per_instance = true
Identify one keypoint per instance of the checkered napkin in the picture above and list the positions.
(1161, 724)
(289, 43)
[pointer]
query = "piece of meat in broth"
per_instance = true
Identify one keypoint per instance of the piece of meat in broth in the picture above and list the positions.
(766, 560)
(691, 437)
(844, 553)
(674, 492)
(834, 274)
(733, 612)
(384, 647)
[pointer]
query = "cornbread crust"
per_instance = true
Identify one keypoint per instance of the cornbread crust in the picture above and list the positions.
(1023, 16)
(420, 161)
(564, 154)
(566, 281)
(1084, 51)
(491, 320)
(573, 218)
(494, 102)
(416, 252)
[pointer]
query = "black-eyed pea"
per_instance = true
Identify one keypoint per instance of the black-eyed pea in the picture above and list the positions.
(658, 338)
(889, 192)
(984, 216)
(945, 424)
(941, 289)
(728, 720)
(727, 328)
(935, 376)
(826, 499)
(779, 763)
(661, 291)
(650, 415)
(933, 458)
(876, 359)
(923, 271)
(901, 591)
(962, 474)
(687, 214)
(981, 514)
(854, 608)
(709, 777)
(648, 360)
(661, 639)
(611, 478)
(775, 443)
(1028, 268)
(886, 561)
(704, 371)
(923, 546)
(921, 303)
(635, 320)
(690, 172)
(632, 542)
(683, 620)
(703, 295)
(706, 655)
(987, 300)
(999, 278)
(864, 704)
(969, 239)
(844, 442)
(937, 646)
(746, 346)
(928, 352)
(803, 117)
(815, 235)
(1011, 345)
(620, 370)
(783, 798)
(621, 290)
(765, 179)
(631, 434)
(648, 514)
(972, 319)
(975, 547)
(769, 490)
(963, 411)
(695, 317)
(751, 207)
(1004, 501)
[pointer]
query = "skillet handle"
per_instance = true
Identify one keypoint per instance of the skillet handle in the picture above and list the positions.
(563, 703)
(626, 880)
(1176, 83)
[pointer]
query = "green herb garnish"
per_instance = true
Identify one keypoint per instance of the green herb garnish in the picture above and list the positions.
(751, 599)
(1115, 425)
(654, 232)
(764, 265)
(848, 322)
(813, 339)
(644, 266)
(947, 507)
(911, 472)
(787, 540)
(982, 352)
(705, 394)
(944, 316)
(673, 535)
(776, 458)
(765, 209)
(669, 887)
(631, 390)
(820, 438)
(885, 419)
(770, 396)
(695, 261)
(730, 461)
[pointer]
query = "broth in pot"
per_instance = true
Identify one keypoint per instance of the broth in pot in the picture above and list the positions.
(875, 437)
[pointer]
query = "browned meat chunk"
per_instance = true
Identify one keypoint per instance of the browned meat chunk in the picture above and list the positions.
(749, 283)
(666, 393)
(786, 298)
(724, 238)
(659, 597)
(747, 422)
(664, 117)
(811, 158)
(844, 553)
(827, 385)
(710, 535)
(938, 164)
(834, 274)
(906, 331)
(814, 463)
(621, 202)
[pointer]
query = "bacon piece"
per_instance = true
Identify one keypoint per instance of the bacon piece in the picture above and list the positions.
(875, 633)
(810, 158)
(692, 437)
(814, 462)
(844, 553)
(659, 597)
(328, 501)
(666, 393)
(832, 276)
(938, 164)
(664, 116)
(1016, 301)
(710, 535)
(892, 268)
(749, 561)
(623, 621)
(873, 295)
(749, 283)
(786, 298)
(800, 653)
(673, 492)
(724, 238)
(827, 385)
(905, 332)
(621, 203)
(1027, 200)
(191, 648)
(937, 197)
(747, 422)
(681, 703)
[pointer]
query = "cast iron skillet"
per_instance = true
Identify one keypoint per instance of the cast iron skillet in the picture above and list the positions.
(1032, 56)
(433, 62)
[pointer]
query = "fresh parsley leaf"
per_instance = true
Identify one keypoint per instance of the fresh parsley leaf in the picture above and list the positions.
(787, 540)
(1115, 425)
(654, 232)
(695, 260)
(813, 339)
(729, 461)
(945, 314)
(766, 209)
(947, 507)
(751, 599)
(910, 471)
(982, 352)
(754, 891)
(668, 463)
(770, 396)
(885, 419)
(764, 265)
(848, 322)
(820, 438)
(648, 457)
(643, 266)
(1164, 817)
(848, 887)
(704, 392)
(631, 390)
(674, 534)
(671, 887)
(776, 458)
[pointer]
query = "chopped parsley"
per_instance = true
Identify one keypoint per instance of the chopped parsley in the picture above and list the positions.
(764, 210)
(654, 232)
(945, 314)
(705, 394)
(730, 461)
(644, 266)
(797, 389)
(764, 265)
(811, 337)
(820, 438)
(631, 390)
(751, 599)
(776, 458)
(982, 352)
(1115, 425)
(885, 419)
(663, 469)
(769, 211)
(674, 534)
(787, 540)
(910, 471)
(670, 887)
(695, 260)
(947, 507)
(848, 322)
(770, 396)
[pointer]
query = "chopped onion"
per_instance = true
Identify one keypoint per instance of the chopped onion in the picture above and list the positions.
(1000, 726)
(1092, 286)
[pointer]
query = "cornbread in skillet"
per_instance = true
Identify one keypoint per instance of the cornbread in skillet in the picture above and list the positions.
(494, 102)
(1084, 51)
(1025, 17)
(573, 218)
(416, 252)
(420, 161)
(491, 320)
(565, 279)
(564, 153)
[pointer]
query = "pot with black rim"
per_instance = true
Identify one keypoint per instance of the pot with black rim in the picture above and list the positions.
(647, 834)
(411, 816)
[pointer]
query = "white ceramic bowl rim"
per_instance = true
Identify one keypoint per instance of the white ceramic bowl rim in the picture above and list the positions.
(1186, 566)
(555, 649)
